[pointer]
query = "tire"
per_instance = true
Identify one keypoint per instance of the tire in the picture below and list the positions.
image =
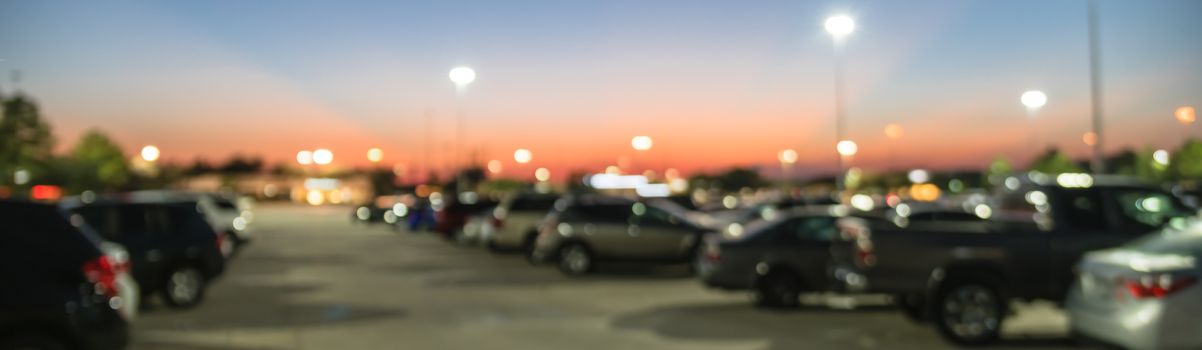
(779, 290)
(969, 313)
(696, 259)
(32, 342)
(575, 259)
(184, 287)
(528, 244)
(914, 307)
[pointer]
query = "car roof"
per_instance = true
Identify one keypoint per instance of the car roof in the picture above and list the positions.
(138, 197)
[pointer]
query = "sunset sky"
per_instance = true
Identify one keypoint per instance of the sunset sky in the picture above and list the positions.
(714, 83)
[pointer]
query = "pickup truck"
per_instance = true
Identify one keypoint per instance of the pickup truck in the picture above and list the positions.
(962, 276)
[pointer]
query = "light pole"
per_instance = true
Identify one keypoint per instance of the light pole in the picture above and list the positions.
(641, 144)
(522, 156)
(893, 132)
(787, 158)
(839, 27)
(846, 150)
(1033, 100)
(1098, 163)
(461, 76)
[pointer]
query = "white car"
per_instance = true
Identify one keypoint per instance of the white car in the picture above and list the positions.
(1143, 295)
(127, 288)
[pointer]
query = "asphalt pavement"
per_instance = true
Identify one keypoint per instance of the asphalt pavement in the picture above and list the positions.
(313, 280)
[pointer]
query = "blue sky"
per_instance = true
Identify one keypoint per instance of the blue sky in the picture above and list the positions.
(715, 82)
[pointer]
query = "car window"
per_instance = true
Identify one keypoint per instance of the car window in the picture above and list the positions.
(184, 220)
(653, 216)
(1147, 209)
(224, 204)
(600, 213)
(1082, 210)
(821, 229)
(104, 219)
(532, 204)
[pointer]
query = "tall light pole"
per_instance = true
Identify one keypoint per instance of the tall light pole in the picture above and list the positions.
(787, 158)
(839, 27)
(893, 132)
(641, 144)
(1098, 162)
(1033, 100)
(1186, 115)
(461, 76)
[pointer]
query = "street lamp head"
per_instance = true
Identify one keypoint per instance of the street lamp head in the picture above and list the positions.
(840, 26)
(522, 156)
(1161, 157)
(1185, 115)
(375, 155)
(641, 143)
(150, 153)
(323, 156)
(462, 76)
(894, 131)
(787, 156)
(847, 148)
(542, 174)
(304, 157)
(494, 166)
(1034, 99)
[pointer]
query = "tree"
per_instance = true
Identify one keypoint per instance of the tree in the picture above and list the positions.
(737, 179)
(1055, 162)
(239, 164)
(998, 170)
(1186, 164)
(99, 164)
(25, 139)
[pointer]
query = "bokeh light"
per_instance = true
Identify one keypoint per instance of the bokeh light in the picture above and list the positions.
(840, 26)
(847, 148)
(1186, 115)
(494, 166)
(641, 143)
(150, 153)
(1034, 99)
(542, 174)
(323, 156)
(894, 131)
(1089, 138)
(1161, 157)
(462, 76)
(304, 157)
(522, 156)
(375, 155)
(787, 156)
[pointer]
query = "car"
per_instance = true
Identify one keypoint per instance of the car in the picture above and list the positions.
(960, 275)
(450, 218)
(513, 225)
(1142, 295)
(473, 229)
(384, 209)
(60, 289)
(173, 250)
(586, 230)
(777, 258)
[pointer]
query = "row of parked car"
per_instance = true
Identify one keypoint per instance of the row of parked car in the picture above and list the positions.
(76, 273)
(1120, 254)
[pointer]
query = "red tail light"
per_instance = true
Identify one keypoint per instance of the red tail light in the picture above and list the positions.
(220, 240)
(1157, 286)
(102, 273)
(713, 254)
(497, 223)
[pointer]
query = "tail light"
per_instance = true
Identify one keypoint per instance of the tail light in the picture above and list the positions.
(865, 256)
(1157, 286)
(102, 273)
(861, 237)
(713, 254)
(497, 222)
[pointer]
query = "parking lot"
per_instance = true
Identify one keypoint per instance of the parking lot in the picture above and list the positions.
(312, 280)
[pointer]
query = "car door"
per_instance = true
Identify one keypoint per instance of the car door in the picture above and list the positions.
(606, 229)
(1084, 222)
(661, 235)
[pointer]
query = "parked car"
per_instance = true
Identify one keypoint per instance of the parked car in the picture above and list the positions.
(1143, 295)
(586, 230)
(450, 218)
(384, 209)
(172, 248)
(473, 229)
(961, 275)
(777, 258)
(60, 290)
(514, 223)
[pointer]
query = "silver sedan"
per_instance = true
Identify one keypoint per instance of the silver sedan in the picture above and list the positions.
(1144, 295)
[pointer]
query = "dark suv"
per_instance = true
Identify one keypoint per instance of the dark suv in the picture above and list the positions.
(58, 288)
(172, 248)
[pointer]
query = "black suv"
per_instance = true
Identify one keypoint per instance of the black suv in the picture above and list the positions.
(172, 248)
(58, 288)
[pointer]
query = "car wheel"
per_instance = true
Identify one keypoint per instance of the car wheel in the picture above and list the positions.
(31, 342)
(779, 290)
(697, 260)
(914, 307)
(969, 313)
(575, 259)
(528, 244)
(184, 288)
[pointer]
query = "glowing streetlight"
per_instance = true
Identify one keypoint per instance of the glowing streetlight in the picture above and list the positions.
(641, 143)
(1034, 99)
(304, 157)
(494, 166)
(1161, 157)
(1089, 138)
(375, 155)
(1186, 115)
(847, 148)
(840, 26)
(787, 156)
(462, 76)
(322, 156)
(894, 131)
(522, 156)
(542, 174)
(150, 153)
